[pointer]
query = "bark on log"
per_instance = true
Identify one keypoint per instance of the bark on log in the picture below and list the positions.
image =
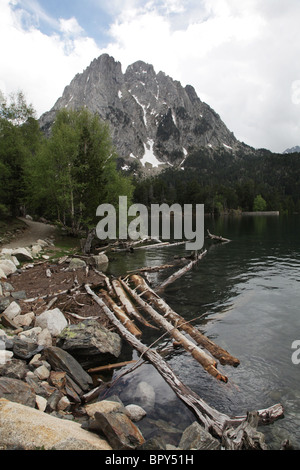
(128, 306)
(211, 419)
(217, 237)
(179, 273)
(219, 353)
(121, 315)
(207, 362)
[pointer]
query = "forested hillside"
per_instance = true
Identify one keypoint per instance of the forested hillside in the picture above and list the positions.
(226, 181)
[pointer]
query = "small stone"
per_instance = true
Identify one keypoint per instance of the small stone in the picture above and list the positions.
(32, 334)
(57, 379)
(25, 348)
(196, 437)
(42, 372)
(4, 303)
(119, 430)
(135, 412)
(77, 263)
(20, 295)
(100, 261)
(12, 310)
(35, 250)
(104, 406)
(63, 404)
(2, 274)
(8, 267)
(17, 391)
(24, 320)
(44, 338)
(7, 287)
(22, 254)
(53, 400)
(36, 361)
(54, 320)
(41, 403)
(42, 243)
(5, 356)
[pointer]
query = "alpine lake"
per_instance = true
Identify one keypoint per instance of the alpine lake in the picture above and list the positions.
(245, 296)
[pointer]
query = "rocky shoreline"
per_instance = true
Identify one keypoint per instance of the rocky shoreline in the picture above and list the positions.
(50, 338)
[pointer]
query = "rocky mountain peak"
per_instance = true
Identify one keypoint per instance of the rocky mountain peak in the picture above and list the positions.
(155, 121)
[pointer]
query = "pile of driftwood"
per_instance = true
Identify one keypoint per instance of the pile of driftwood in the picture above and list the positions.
(127, 301)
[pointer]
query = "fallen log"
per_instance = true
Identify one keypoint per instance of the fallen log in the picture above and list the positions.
(212, 420)
(153, 245)
(217, 237)
(121, 315)
(129, 308)
(180, 273)
(154, 269)
(207, 362)
(110, 367)
(219, 353)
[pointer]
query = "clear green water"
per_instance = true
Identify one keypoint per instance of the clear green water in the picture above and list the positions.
(247, 294)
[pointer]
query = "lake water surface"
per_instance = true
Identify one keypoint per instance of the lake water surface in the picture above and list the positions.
(247, 295)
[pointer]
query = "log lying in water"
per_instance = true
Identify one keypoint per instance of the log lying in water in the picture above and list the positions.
(129, 308)
(217, 237)
(207, 362)
(219, 353)
(211, 419)
(154, 269)
(180, 273)
(121, 315)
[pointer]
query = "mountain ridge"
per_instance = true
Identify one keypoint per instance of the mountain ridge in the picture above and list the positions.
(155, 122)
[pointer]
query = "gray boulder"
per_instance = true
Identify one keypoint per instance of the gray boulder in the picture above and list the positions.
(17, 391)
(25, 428)
(120, 431)
(22, 254)
(54, 320)
(90, 343)
(196, 437)
(61, 360)
(77, 263)
(8, 267)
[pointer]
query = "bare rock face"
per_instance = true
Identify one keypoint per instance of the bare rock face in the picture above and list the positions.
(22, 427)
(155, 122)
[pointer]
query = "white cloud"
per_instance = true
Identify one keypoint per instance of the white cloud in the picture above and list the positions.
(70, 27)
(242, 57)
(38, 64)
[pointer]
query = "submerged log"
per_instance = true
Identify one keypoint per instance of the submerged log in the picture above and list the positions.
(211, 419)
(180, 273)
(219, 353)
(217, 237)
(129, 308)
(207, 362)
(121, 315)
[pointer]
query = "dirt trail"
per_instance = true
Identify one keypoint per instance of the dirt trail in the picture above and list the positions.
(34, 232)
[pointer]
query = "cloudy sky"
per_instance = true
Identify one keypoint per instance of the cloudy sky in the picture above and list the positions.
(242, 57)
